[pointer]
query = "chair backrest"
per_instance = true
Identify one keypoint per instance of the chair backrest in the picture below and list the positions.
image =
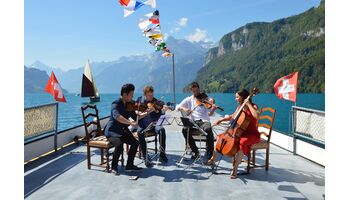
(266, 120)
(91, 118)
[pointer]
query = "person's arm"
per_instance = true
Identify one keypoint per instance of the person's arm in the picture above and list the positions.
(253, 109)
(213, 107)
(118, 117)
(226, 118)
(185, 105)
(144, 114)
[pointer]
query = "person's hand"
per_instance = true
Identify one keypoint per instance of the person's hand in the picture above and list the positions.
(149, 110)
(216, 123)
(246, 101)
(134, 124)
(188, 111)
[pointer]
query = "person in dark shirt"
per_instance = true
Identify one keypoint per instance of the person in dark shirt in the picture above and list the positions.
(153, 116)
(116, 129)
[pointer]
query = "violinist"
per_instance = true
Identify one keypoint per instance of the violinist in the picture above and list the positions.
(155, 110)
(200, 115)
(249, 137)
(116, 129)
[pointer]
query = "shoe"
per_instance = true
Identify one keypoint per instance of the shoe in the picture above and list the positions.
(132, 168)
(211, 162)
(233, 174)
(196, 155)
(148, 163)
(163, 157)
(115, 171)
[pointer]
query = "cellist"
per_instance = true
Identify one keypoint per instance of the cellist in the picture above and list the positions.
(249, 137)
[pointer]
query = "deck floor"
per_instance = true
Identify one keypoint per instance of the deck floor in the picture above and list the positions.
(64, 175)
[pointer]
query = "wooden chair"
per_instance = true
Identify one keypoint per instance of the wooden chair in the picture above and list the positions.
(199, 138)
(95, 138)
(266, 120)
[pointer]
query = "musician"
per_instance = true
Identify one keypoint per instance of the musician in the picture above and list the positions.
(116, 129)
(153, 116)
(249, 137)
(200, 115)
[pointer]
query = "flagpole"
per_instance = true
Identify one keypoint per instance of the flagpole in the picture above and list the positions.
(55, 136)
(174, 79)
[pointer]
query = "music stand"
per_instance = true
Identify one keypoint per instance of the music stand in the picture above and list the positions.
(190, 124)
(163, 120)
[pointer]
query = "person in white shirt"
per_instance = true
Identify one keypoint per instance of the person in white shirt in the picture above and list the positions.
(200, 115)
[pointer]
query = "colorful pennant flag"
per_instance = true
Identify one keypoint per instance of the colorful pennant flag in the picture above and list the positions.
(130, 6)
(151, 29)
(286, 87)
(54, 88)
(152, 18)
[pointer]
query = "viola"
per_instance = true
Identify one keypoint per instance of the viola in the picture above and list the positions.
(142, 107)
(206, 101)
(228, 143)
(158, 105)
(135, 106)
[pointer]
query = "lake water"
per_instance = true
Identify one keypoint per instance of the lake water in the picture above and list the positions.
(69, 114)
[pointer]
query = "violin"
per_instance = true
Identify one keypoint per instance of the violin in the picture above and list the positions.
(142, 107)
(135, 106)
(158, 105)
(206, 101)
(228, 143)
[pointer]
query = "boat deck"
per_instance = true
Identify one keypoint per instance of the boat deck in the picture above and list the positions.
(64, 175)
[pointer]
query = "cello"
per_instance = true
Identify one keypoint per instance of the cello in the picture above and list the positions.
(228, 143)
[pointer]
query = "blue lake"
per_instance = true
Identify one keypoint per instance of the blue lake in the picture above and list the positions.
(70, 114)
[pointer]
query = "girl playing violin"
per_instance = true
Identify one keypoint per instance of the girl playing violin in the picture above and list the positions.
(249, 137)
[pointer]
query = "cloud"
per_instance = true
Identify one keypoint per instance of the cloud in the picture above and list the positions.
(182, 22)
(198, 35)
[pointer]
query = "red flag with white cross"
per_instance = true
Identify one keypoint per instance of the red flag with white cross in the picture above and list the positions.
(54, 88)
(286, 87)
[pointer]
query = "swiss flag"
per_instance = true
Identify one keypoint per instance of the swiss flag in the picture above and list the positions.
(54, 88)
(286, 87)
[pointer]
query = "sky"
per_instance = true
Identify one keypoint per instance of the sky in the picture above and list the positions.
(65, 33)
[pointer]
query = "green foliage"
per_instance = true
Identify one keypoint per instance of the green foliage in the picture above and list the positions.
(267, 52)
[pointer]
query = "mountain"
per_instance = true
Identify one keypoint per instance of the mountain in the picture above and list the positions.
(35, 80)
(259, 53)
(39, 65)
(141, 70)
(188, 57)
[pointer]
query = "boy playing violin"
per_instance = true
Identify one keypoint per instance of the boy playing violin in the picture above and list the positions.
(155, 110)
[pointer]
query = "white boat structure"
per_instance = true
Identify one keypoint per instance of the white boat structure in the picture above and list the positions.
(296, 167)
(88, 86)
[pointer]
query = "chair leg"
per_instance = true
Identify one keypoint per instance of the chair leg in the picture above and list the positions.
(254, 158)
(248, 164)
(122, 156)
(156, 144)
(267, 158)
(101, 155)
(88, 157)
(107, 155)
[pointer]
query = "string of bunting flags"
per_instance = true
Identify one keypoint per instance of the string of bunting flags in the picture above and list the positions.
(150, 25)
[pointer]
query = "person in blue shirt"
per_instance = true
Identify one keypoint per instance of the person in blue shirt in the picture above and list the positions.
(117, 131)
(153, 116)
